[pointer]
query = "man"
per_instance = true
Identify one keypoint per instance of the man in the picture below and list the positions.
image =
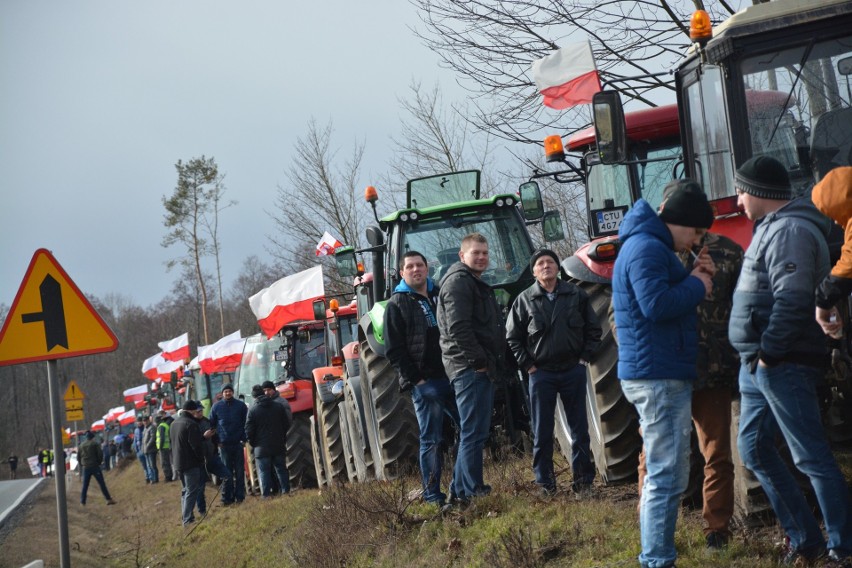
(164, 448)
(473, 344)
(149, 442)
(272, 393)
(188, 459)
(44, 462)
(833, 197)
(105, 452)
(553, 332)
(655, 300)
(266, 430)
(212, 462)
(228, 416)
(91, 456)
(139, 447)
(783, 356)
(13, 466)
(414, 350)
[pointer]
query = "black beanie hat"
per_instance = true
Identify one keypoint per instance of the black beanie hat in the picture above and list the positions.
(190, 405)
(227, 387)
(267, 385)
(764, 176)
(543, 252)
(257, 391)
(685, 204)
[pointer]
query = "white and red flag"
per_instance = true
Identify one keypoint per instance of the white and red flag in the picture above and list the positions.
(327, 244)
(114, 413)
(288, 300)
(149, 366)
(568, 76)
(166, 368)
(224, 355)
(176, 349)
(135, 393)
(97, 426)
(128, 417)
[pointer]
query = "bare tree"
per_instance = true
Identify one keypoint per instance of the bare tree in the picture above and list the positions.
(211, 223)
(491, 44)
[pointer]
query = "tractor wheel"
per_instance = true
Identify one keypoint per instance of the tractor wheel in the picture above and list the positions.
(391, 422)
(316, 450)
(346, 442)
(331, 442)
(300, 459)
(613, 422)
(353, 406)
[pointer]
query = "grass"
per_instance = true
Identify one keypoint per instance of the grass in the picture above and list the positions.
(372, 524)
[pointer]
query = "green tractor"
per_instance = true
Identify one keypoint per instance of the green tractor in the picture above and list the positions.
(440, 211)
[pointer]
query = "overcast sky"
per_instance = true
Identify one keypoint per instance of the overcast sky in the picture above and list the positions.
(101, 98)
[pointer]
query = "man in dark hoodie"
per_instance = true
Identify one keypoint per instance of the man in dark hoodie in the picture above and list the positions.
(473, 346)
(783, 356)
(414, 350)
(655, 300)
(188, 458)
(91, 456)
(228, 416)
(266, 430)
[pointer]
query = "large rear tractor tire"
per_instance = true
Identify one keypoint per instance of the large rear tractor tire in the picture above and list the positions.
(346, 441)
(391, 422)
(331, 442)
(316, 450)
(613, 422)
(300, 458)
(362, 457)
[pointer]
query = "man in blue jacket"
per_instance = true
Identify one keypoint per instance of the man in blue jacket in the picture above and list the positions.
(655, 300)
(228, 416)
(783, 355)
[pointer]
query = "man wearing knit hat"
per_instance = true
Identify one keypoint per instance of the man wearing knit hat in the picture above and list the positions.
(228, 416)
(655, 300)
(783, 355)
(553, 332)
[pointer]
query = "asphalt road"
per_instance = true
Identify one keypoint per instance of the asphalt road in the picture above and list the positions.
(13, 493)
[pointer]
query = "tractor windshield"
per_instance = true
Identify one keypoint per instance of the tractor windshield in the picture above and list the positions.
(439, 239)
(309, 352)
(259, 363)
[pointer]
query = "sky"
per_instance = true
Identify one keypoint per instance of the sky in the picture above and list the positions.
(99, 100)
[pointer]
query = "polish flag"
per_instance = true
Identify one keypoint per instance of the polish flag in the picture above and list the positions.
(568, 76)
(97, 426)
(149, 366)
(176, 349)
(327, 245)
(136, 393)
(288, 300)
(140, 404)
(114, 413)
(224, 355)
(128, 417)
(166, 368)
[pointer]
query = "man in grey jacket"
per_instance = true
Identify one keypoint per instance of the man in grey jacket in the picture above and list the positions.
(783, 355)
(553, 331)
(473, 344)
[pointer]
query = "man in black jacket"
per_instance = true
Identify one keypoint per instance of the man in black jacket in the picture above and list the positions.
(473, 345)
(188, 458)
(91, 456)
(266, 430)
(553, 332)
(413, 348)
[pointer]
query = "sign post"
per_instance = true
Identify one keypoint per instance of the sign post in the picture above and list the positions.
(50, 319)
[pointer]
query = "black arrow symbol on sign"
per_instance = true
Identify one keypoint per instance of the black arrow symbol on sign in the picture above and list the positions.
(52, 313)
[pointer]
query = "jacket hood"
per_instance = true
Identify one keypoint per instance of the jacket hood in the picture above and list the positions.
(404, 288)
(643, 219)
(801, 207)
(833, 195)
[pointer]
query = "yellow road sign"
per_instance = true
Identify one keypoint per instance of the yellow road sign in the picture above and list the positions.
(66, 438)
(51, 319)
(73, 392)
(73, 415)
(73, 405)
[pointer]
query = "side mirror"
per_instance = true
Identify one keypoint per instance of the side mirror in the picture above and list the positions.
(531, 201)
(304, 336)
(347, 266)
(319, 309)
(552, 227)
(610, 130)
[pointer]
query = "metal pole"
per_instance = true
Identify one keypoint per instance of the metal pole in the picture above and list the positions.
(59, 460)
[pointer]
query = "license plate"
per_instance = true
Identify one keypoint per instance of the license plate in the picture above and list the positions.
(609, 220)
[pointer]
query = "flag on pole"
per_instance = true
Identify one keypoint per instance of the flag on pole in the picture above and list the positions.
(166, 368)
(224, 355)
(114, 413)
(97, 426)
(135, 393)
(176, 349)
(287, 300)
(568, 76)
(128, 417)
(149, 366)
(327, 245)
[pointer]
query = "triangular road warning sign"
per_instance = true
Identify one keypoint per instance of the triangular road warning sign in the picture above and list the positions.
(51, 319)
(73, 392)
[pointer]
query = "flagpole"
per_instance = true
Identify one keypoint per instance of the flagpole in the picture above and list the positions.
(59, 461)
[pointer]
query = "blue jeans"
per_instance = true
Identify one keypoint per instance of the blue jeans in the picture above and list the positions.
(665, 415)
(192, 484)
(153, 474)
(143, 461)
(265, 466)
(475, 401)
(88, 473)
(233, 488)
(571, 387)
(783, 398)
(432, 401)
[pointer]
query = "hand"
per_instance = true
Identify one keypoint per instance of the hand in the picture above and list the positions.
(482, 370)
(532, 370)
(702, 275)
(420, 382)
(705, 262)
(830, 322)
(761, 364)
